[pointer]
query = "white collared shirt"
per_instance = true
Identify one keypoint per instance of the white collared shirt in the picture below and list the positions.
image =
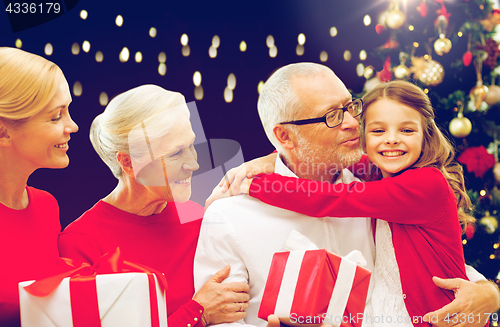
(245, 233)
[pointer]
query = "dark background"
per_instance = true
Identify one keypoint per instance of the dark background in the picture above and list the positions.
(87, 179)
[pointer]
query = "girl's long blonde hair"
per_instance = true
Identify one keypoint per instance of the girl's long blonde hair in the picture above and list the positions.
(437, 150)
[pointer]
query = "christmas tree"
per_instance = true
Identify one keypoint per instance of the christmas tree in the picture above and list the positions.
(451, 51)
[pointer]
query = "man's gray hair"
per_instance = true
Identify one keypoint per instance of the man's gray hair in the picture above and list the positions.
(278, 101)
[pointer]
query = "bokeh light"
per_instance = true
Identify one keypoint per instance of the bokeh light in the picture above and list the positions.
(119, 20)
(77, 88)
(48, 49)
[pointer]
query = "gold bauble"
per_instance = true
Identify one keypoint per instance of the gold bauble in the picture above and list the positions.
(428, 71)
(496, 172)
(401, 71)
(493, 95)
(442, 45)
(460, 126)
(489, 223)
(395, 19)
(478, 94)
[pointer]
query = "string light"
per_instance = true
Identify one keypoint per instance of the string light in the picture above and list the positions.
(460, 34)
(360, 69)
(212, 52)
(184, 39)
(84, 14)
(362, 55)
(347, 55)
(103, 99)
(198, 92)
(216, 41)
(86, 46)
(411, 28)
(77, 88)
(301, 39)
(323, 56)
(162, 57)
(273, 51)
(299, 50)
(367, 20)
(19, 43)
(231, 81)
(197, 78)
(75, 48)
(48, 49)
(333, 31)
(152, 32)
(482, 192)
(99, 57)
(464, 242)
(162, 69)
(138, 56)
(186, 50)
(243, 46)
(124, 55)
(270, 41)
(228, 95)
(119, 20)
(496, 246)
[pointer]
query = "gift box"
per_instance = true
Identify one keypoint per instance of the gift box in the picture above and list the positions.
(88, 298)
(315, 287)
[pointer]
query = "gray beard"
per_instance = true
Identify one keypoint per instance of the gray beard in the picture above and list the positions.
(321, 163)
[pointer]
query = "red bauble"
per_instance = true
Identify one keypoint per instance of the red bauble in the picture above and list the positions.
(469, 231)
(379, 28)
(477, 160)
(422, 9)
(467, 58)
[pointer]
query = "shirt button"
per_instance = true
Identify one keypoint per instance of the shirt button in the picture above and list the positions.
(189, 325)
(201, 311)
(195, 319)
(404, 296)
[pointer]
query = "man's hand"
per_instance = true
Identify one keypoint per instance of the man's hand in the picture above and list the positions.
(222, 303)
(473, 303)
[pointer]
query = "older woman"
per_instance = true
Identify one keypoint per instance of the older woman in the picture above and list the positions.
(145, 138)
(35, 128)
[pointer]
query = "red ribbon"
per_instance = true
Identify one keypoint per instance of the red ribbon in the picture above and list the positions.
(83, 291)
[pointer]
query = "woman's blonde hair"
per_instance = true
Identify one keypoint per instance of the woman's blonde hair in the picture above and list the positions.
(134, 123)
(437, 150)
(27, 84)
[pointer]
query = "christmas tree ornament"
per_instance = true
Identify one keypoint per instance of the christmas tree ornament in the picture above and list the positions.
(368, 73)
(490, 47)
(467, 58)
(469, 231)
(395, 18)
(489, 223)
(379, 28)
(401, 71)
(427, 71)
(385, 74)
(493, 95)
(496, 172)
(477, 160)
(422, 9)
(460, 126)
(442, 45)
(492, 20)
(478, 94)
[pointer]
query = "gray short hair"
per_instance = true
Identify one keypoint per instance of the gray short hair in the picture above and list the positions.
(115, 130)
(278, 101)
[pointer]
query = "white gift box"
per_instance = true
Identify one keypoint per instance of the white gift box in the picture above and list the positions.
(123, 301)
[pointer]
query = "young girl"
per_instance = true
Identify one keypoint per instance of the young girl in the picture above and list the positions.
(35, 128)
(418, 233)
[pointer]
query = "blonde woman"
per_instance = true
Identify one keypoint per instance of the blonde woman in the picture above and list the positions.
(145, 137)
(35, 128)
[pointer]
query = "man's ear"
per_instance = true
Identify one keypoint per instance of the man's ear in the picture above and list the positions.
(284, 136)
(5, 137)
(126, 163)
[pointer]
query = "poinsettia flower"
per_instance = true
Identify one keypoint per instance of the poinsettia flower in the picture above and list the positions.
(477, 160)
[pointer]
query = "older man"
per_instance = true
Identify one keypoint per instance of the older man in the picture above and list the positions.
(245, 233)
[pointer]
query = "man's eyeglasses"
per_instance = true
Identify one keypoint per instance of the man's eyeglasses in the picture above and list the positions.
(334, 117)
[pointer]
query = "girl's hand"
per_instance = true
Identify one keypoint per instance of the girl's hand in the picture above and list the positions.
(235, 176)
(235, 189)
(222, 302)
